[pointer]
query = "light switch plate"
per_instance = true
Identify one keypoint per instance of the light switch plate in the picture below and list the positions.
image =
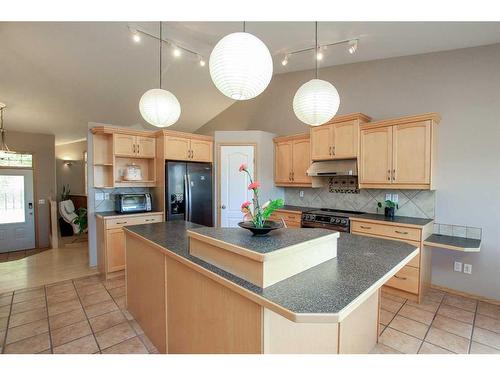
(301, 193)
(41, 201)
(395, 198)
(106, 195)
(388, 197)
(467, 268)
(458, 267)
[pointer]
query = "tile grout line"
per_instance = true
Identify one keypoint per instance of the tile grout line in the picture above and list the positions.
(8, 323)
(48, 323)
(473, 327)
(430, 325)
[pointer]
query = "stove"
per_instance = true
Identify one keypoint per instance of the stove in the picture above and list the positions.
(329, 219)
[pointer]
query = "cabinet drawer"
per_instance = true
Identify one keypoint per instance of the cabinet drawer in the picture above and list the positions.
(287, 215)
(406, 279)
(124, 221)
(394, 231)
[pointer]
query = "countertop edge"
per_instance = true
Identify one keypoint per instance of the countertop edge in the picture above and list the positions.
(118, 215)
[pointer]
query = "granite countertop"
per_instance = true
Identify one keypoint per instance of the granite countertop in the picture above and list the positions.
(324, 289)
(114, 213)
(276, 240)
(465, 244)
(396, 219)
(297, 208)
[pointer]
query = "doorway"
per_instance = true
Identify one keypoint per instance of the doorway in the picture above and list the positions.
(232, 183)
(17, 218)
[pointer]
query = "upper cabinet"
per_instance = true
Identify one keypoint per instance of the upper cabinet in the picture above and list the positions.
(398, 153)
(337, 139)
(292, 159)
(134, 145)
(187, 147)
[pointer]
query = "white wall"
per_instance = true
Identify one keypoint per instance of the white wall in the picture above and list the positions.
(464, 87)
(264, 160)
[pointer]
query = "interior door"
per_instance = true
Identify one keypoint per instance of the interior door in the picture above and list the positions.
(17, 222)
(412, 153)
(321, 142)
(233, 183)
(283, 163)
(301, 160)
(376, 155)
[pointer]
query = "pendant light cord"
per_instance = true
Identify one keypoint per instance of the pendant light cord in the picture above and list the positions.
(317, 49)
(161, 42)
(244, 26)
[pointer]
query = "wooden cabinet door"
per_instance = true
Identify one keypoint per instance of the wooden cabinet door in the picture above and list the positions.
(301, 161)
(345, 140)
(124, 144)
(321, 142)
(283, 162)
(375, 161)
(146, 147)
(115, 250)
(412, 153)
(177, 148)
(201, 150)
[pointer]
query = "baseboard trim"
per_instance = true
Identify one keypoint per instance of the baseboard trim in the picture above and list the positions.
(464, 294)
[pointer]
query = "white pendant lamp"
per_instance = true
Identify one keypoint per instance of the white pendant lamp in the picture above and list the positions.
(316, 101)
(241, 66)
(157, 106)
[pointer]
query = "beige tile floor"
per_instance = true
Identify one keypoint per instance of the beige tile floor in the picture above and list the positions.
(85, 315)
(442, 323)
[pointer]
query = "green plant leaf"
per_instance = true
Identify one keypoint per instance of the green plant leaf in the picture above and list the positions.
(273, 206)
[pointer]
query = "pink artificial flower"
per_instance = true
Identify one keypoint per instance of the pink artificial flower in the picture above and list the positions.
(247, 217)
(245, 204)
(254, 185)
(243, 167)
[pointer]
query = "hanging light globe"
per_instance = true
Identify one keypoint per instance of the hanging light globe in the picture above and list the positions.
(159, 107)
(241, 66)
(316, 102)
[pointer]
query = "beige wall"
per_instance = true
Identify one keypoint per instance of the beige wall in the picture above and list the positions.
(73, 174)
(463, 86)
(42, 146)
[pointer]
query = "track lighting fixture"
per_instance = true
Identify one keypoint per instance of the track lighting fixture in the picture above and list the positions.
(353, 46)
(202, 62)
(176, 51)
(319, 55)
(284, 61)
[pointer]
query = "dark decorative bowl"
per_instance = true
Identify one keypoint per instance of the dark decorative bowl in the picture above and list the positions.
(268, 226)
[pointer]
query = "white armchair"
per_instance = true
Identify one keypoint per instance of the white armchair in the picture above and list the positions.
(67, 212)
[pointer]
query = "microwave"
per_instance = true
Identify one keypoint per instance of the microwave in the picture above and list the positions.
(129, 203)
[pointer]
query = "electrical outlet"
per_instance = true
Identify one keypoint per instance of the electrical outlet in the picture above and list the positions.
(468, 268)
(301, 193)
(458, 267)
(388, 197)
(41, 201)
(395, 198)
(106, 195)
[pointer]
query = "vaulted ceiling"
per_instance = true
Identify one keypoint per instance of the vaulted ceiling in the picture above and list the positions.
(57, 77)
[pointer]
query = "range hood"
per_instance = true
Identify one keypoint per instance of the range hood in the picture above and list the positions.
(331, 168)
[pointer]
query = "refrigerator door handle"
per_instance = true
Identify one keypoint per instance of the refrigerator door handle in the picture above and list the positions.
(186, 199)
(188, 210)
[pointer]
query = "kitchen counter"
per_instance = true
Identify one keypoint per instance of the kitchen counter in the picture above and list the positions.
(404, 220)
(453, 243)
(300, 209)
(362, 263)
(111, 214)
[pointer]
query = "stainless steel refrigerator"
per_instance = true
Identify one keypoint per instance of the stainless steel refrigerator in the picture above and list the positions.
(189, 192)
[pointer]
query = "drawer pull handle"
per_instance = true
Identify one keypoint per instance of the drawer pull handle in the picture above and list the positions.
(397, 231)
(121, 222)
(362, 226)
(399, 277)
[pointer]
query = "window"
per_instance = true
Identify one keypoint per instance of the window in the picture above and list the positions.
(11, 199)
(11, 159)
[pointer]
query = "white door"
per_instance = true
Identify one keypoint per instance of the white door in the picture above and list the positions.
(233, 183)
(17, 222)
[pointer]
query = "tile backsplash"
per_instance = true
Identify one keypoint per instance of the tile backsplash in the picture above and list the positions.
(414, 203)
(109, 204)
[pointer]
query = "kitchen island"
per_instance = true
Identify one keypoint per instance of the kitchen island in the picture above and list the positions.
(188, 305)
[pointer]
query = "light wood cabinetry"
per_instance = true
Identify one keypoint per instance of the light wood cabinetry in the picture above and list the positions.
(115, 149)
(187, 147)
(111, 239)
(337, 139)
(291, 160)
(398, 153)
(291, 218)
(413, 279)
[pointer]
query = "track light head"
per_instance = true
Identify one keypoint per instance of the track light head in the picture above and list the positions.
(353, 46)
(284, 62)
(176, 52)
(202, 62)
(135, 36)
(319, 55)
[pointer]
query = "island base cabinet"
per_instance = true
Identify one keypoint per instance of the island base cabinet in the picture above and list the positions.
(356, 334)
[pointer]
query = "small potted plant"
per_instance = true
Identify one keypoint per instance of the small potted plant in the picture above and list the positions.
(390, 207)
(256, 216)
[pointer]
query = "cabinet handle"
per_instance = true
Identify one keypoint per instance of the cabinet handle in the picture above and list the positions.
(121, 222)
(388, 175)
(138, 149)
(290, 176)
(362, 226)
(330, 151)
(393, 175)
(333, 150)
(397, 231)
(401, 278)
(293, 176)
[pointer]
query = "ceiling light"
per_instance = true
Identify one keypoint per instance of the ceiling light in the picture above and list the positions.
(136, 37)
(319, 55)
(157, 106)
(353, 46)
(241, 66)
(284, 62)
(202, 62)
(316, 101)
(176, 52)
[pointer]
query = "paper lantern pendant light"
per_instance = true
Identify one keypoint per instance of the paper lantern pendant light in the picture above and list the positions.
(241, 66)
(160, 107)
(316, 101)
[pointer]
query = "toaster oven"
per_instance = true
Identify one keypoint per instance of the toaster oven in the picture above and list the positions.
(129, 203)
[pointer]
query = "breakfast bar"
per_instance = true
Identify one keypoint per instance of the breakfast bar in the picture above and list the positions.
(188, 288)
